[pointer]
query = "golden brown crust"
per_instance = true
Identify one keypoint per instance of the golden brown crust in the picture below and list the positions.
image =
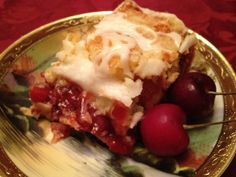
(159, 21)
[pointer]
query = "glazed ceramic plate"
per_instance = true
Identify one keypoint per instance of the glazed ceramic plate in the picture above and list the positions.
(24, 150)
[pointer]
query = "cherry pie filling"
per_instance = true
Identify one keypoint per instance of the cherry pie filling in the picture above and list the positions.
(70, 108)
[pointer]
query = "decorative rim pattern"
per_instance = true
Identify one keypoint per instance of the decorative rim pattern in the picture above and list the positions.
(225, 147)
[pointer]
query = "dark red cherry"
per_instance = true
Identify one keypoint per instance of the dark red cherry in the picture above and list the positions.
(190, 92)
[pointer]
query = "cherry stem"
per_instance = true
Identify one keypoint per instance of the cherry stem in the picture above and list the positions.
(194, 126)
(221, 93)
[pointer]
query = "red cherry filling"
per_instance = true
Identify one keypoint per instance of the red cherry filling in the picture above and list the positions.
(153, 91)
(39, 94)
(71, 107)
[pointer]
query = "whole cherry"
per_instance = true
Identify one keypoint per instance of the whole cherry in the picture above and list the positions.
(190, 92)
(162, 130)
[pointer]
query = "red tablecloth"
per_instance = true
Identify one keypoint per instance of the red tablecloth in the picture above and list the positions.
(215, 20)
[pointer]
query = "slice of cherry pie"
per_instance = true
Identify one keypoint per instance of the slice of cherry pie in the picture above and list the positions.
(102, 82)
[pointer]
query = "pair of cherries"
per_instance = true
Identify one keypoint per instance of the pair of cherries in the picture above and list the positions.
(162, 126)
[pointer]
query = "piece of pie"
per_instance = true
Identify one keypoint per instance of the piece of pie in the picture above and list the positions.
(103, 82)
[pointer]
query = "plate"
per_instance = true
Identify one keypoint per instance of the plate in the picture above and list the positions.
(24, 150)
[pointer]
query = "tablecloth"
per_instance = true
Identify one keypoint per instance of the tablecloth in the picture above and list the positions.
(215, 20)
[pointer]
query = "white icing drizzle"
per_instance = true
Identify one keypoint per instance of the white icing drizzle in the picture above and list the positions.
(117, 23)
(119, 37)
(121, 46)
(83, 72)
(115, 29)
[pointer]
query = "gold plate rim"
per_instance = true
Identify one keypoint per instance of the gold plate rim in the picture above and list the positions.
(218, 172)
